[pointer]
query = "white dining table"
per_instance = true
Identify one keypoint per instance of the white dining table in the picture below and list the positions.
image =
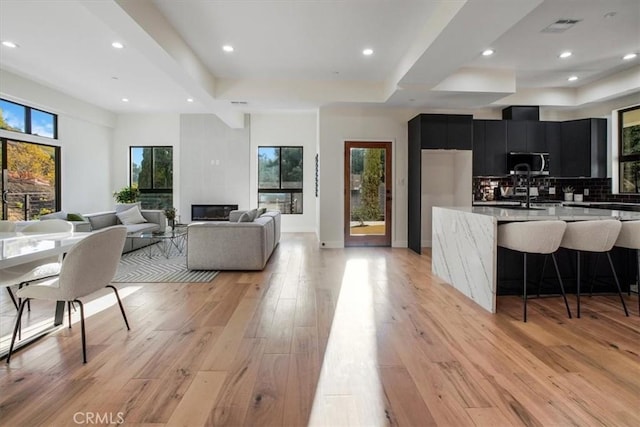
(20, 248)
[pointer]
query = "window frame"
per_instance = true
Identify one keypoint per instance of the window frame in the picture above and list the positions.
(57, 164)
(152, 189)
(280, 189)
(622, 158)
(28, 128)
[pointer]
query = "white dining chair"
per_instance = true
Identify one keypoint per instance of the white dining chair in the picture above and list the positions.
(534, 237)
(595, 236)
(20, 275)
(88, 267)
(48, 226)
(630, 238)
(7, 226)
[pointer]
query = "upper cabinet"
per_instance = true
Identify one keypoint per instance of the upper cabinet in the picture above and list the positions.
(489, 147)
(443, 131)
(553, 135)
(583, 151)
(526, 136)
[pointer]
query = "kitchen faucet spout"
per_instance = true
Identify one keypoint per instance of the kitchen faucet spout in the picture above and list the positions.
(527, 168)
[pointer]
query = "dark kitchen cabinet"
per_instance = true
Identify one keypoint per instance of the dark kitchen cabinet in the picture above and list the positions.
(460, 132)
(433, 131)
(479, 148)
(430, 131)
(584, 148)
(444, 131)
(553, 136)
(526, 136)
(489, 147)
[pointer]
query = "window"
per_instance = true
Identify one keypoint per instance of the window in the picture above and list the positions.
(152, 172)
(629, 137)
(280, 179)
(19, 118)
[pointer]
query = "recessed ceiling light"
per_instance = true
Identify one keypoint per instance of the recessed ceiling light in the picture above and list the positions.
(367, 52)
(189, 99)
(10, 44)
(573, 78)
(488, 52)
(566, 54)
(125, 99)
(227, 48)
(629, 56)
(117, 45)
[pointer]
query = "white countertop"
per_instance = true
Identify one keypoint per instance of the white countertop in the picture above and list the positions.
(564, 213)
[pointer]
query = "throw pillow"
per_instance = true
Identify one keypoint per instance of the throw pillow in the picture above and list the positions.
(245, 217)
(260, 212)
(120, 207)
(131, 216)
(75, 217)
(253, 213)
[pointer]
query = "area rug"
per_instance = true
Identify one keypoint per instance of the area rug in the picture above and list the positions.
(138, 267)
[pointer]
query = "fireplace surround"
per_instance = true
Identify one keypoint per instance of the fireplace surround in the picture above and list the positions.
(211, 212)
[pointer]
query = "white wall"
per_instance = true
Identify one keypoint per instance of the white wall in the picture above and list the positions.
(144, 130)
(293, 129)
(337, 125)
(446, 181)
(84, 138)
(214, 163)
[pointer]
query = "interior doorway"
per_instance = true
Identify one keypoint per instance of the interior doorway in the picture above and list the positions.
(367, 190)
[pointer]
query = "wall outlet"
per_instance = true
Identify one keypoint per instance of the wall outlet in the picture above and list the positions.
(586, 191)
(552, 190)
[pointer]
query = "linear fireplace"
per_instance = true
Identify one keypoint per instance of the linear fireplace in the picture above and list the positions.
(211, 212)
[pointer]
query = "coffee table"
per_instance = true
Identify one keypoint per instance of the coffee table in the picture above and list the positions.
(165, 241)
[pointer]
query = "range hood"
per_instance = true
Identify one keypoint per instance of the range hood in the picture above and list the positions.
(521, 112)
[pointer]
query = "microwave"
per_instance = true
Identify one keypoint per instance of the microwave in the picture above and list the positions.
(538, 163)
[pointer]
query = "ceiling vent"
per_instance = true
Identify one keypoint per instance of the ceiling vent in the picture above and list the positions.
(239, 102)
(561, 25)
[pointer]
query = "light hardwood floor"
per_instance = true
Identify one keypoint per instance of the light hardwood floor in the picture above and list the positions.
(361, 336)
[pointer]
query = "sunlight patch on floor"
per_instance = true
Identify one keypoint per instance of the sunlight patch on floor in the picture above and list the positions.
(349, 390)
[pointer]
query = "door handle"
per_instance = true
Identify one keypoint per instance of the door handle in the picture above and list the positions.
(4, 196)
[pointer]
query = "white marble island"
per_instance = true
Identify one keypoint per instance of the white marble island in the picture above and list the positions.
(464, 252)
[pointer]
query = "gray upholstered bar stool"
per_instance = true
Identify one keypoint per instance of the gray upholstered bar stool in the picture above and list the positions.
(597, 236)
(534, 237)
(630, 238)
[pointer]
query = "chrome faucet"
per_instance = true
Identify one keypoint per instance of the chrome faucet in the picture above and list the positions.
(527, 168)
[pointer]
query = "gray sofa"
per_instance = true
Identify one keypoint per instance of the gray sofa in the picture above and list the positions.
(232, 245)
(155, 221)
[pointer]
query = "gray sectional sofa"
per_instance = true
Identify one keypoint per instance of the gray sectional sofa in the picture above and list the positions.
(155, 221)
(232, 245)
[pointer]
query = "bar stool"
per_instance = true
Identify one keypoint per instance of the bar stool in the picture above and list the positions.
(597, 236)
(630, 238)
(534, 237)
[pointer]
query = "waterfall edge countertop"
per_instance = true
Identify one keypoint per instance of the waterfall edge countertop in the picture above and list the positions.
(564, 213)
(464, 242)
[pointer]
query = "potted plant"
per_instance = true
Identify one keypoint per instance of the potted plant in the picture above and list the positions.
(568, 193)
(170, 213)
(127, 195)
